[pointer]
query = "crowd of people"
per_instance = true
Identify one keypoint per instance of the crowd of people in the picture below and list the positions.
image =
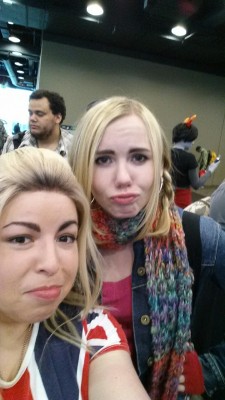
(117, 291)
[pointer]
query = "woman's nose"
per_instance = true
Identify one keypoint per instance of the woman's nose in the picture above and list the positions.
(123, 175)
(49, 262)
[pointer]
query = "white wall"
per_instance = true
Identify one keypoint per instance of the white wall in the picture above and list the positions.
(83, 75)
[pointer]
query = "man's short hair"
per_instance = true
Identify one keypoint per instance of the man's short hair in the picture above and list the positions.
(56, 102)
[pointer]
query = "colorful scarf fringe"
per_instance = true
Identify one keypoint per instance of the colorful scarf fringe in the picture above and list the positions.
(169, 281)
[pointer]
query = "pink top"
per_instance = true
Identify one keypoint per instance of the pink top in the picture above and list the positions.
(118, 297)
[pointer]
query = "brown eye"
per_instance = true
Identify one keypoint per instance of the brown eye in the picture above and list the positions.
(19, 239)
(67, 238)
(139, 158)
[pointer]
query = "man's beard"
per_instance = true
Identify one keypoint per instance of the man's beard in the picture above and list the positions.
(41, 135)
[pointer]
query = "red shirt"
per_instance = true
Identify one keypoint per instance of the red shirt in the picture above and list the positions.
(118, 297)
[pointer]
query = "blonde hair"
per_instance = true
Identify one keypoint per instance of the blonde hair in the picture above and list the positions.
(88, 135)
(29, 169)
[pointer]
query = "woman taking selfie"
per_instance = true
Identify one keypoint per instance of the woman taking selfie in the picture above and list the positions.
(53, 344)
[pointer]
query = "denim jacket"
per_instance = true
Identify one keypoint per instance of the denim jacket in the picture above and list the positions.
(140, 307)
(208, 319)
(213, 265)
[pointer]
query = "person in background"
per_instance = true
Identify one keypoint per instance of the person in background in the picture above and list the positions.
(17, 135)
(3, 134)
(47, 111)
(121, 158)
(54, 342)
(203, 158)
(217, 205)
(185, 172)
(17, 139)
(16, 128)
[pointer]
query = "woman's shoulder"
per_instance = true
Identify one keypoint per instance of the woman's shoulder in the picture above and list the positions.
(213, 248)
(212, 238)
(103, 333)
(102, 322)
(209, 227)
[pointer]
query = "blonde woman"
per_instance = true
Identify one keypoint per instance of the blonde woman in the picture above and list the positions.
(121, 158)
(54, 343)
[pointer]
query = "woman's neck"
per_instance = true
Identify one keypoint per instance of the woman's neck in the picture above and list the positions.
(118, 263)
(14, 339)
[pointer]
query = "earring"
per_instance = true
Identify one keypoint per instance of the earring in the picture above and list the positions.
(92, 200)
(161, 184)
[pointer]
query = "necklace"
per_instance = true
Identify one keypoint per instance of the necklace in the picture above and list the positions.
(24, 347)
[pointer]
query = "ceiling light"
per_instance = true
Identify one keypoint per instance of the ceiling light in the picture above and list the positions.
(7, 1)
(20, 71)
(10, 23)
(179, 30)
(20, 77)
(18, 64)
(16, 53)
(95, 9)
(14, 39)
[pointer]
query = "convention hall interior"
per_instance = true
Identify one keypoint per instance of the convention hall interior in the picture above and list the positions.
(129, 47)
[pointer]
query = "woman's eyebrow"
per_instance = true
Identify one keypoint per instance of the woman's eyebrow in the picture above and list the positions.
(68, 223)
(104, 151)
(37, 228)
(29, 225)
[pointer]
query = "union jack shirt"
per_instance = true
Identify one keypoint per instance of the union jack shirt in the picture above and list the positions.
(54, 369)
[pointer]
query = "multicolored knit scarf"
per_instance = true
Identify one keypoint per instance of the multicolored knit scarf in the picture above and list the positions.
(169, 281)
(112, 232)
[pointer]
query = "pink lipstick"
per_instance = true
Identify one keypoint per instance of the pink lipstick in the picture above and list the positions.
(46, 292)
(124, 199)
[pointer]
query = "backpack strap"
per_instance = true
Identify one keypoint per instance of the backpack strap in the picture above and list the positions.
(191, 226)
(208, 306)
(17, 141)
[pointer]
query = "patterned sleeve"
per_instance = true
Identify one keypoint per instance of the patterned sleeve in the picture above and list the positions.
(103, 333)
